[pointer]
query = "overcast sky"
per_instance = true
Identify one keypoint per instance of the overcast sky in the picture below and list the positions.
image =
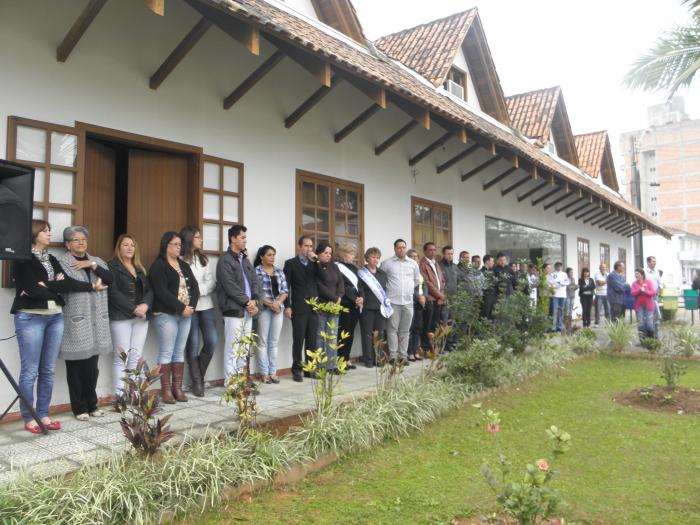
(584, 46)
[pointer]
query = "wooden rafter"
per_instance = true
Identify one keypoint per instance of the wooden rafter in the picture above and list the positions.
(556, 201)
(393, 139)
(587, 213)
(570, 204)
(457, 158)
(255, 77)
(625, 229)
(243, 33)
(420, 115)
(508, 155)
(310, 102)
(605, 218)
(514, 186)
(588, 217)
(532, 191)
(499, 178)
(547, 195)
(318, 68)
(481, 167)
(78, 29)
(614, 219)
(356, 122)
(430, 148)
(375, 93)
(625, 226)
(635, 232)
(180, 51)
(617, 223)
(582, 207)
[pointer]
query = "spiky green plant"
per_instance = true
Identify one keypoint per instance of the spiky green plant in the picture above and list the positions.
(620, 334)
(686, 339)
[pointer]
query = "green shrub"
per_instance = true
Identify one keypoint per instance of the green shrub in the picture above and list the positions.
(651, 344)
(686, 339)
(581, 343)
(518, 322)
(478, 363)
(620, 334)
(465, 309)
(588, 333)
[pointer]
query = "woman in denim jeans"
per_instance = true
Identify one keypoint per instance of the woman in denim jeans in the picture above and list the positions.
(275, 292)
(644, 293)
(175, 293)
(39, 283)
(203, 325)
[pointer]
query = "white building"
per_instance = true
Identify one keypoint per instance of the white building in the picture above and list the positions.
(266, 115)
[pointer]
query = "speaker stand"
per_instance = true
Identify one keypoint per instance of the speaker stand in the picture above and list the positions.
(19, 396)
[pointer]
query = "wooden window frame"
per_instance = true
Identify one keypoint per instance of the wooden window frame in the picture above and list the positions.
(433, 205)
(333, 183)
(579, 242)
(600, 254)
(622, 255)
(463, 82)
(222, 193)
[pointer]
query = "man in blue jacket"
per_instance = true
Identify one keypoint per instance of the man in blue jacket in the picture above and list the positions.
(617, 288)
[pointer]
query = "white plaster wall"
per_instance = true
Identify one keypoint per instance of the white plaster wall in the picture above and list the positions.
(105, 82)
(305, 7)
(461, 62)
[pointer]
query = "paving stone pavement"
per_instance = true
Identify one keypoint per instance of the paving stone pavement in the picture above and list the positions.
(79, 443)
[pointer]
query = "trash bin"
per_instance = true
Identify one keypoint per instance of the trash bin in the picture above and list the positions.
(669, 303)
(690, 301)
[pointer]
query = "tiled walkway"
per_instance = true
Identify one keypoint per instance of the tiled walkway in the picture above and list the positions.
(79, 442)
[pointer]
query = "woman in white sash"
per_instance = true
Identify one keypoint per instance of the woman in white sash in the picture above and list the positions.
(352, 300)
(376, 308)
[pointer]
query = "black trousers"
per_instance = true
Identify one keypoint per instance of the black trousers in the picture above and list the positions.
(617, 311)
(414, 337)
(347, 322)
(586, 305)
(304, 328)
(82, 384)
(370, 321)
(431, 319)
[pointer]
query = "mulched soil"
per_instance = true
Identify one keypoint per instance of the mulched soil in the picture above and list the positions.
(682, 400)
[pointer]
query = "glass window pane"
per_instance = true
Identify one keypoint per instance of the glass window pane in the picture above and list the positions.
(341, 227)
(322, 195)
(323, 224)
(212, 206)
(423, 214)
(39, 184)
(64, 149)
(31, 144)
(353, 201)
(37, 213)
(308, 193)
(308, 219)
(224, 237)
(231, 179)
(211, 176)
(59, 220)
(340, 199)
(230, 208)
(523, 242)
(210, 237)
(61, 187)
(353, 224)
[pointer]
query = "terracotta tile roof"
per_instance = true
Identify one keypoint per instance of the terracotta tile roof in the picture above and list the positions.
(429, 49)
(532, 113)
(591, 148)
(383, 71)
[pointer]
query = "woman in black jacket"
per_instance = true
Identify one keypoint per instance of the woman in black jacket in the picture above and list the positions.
(130, 302)
(39, 283)
(352, 298)
(372, 322)
(175, 292)
(331, 289)
(586, 289)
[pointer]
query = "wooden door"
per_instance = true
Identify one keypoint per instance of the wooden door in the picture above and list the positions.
(158, 198)
(98, 206)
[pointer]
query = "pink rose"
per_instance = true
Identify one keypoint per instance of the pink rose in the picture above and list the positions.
(493, 428)
(543, 465)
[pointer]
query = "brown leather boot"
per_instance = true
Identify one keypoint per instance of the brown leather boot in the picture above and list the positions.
(166, 390)
(178, 373)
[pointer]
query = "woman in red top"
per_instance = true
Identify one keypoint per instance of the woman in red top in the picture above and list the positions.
(643, 292)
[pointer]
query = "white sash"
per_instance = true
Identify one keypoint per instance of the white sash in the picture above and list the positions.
(371, 281)
(348, 273)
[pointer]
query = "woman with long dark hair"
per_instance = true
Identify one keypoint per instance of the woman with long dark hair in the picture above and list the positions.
(130, 303)
(39, 285)
(175, 293)
(203, 326)
(331, 289)
(586, 290)
(274, 293)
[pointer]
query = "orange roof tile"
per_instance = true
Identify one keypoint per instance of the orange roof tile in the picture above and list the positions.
(532, 113)
(591, 148)
(429, 49)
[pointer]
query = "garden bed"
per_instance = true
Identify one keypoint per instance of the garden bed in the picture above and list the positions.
(678, 400)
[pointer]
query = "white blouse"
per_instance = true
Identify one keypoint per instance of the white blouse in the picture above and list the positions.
(206, 283)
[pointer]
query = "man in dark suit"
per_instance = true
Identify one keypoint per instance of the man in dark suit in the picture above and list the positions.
(301, 280)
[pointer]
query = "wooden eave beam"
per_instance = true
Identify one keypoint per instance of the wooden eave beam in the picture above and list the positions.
(532, 191)
(499, 178)
(568, 194)
(430, 148)
(582, 207)
(574, 202)
(247, 35)
(393, 139)
(604, 218)
(508, 155)
(417, 113)
(547, 195)
(595, 216)
(310, 102)
(180, 52)
(624, 227)
(77, 30)
(255, 77)
(468, 175)
(616, 224)
(611, 220)
(635, 232)
(356, 122)
(376, 94)
(320, 69)
(632, 228)
(515, 186)
(457, 158)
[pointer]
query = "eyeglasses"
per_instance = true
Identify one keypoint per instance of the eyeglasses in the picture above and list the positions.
(78, 240)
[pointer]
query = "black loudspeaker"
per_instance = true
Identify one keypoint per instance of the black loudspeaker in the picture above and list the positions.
(16, 203)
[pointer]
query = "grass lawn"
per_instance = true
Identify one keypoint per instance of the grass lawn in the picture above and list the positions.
(625, 466)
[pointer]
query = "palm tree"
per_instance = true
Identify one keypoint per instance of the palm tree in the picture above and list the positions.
(673, 61)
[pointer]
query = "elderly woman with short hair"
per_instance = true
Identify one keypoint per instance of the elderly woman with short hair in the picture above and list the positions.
(376, 308)
(86, 333)
(352, 299)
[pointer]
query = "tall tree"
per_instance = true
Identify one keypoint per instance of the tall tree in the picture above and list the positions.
(673, 61)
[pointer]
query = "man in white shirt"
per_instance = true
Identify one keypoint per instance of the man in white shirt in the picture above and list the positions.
(403, 277)
(601, 293)
(654, 276)
(558, 281)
